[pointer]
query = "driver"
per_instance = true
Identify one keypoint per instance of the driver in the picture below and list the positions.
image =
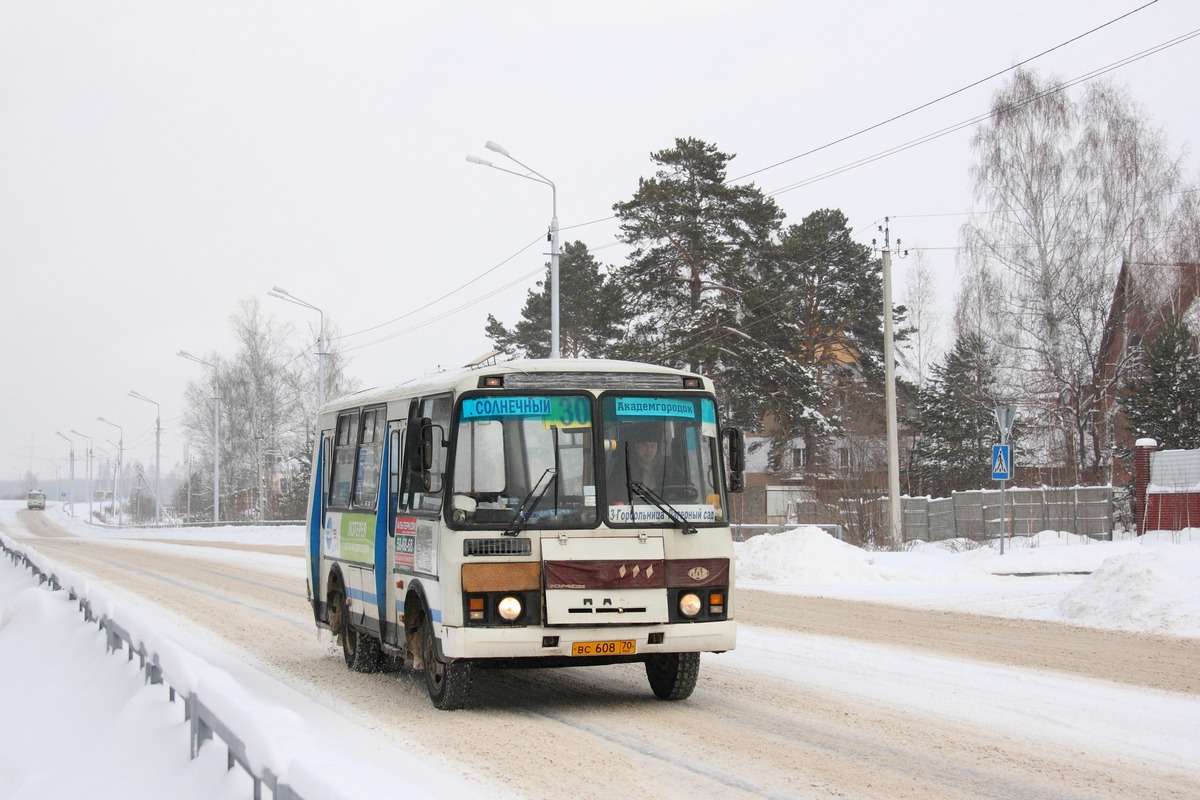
(641, 446)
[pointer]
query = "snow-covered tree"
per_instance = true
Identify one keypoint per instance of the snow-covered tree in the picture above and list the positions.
(957, 425)
(1162, 397)
(591, 312)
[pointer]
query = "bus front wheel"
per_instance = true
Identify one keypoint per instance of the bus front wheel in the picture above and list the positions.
(449, 682)
(673, 675)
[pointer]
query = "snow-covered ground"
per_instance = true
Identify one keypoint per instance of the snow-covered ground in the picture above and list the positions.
(80, 723)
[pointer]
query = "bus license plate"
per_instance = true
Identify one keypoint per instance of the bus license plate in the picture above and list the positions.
(620, 647)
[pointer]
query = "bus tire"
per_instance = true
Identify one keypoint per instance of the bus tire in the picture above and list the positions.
(448, 682)
(673, 675)
(362, 651)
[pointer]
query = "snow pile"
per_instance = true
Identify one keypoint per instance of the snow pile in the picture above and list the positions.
(1157, 591)
(1151, 583)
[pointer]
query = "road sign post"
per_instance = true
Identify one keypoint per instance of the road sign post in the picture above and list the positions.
(1002, 459)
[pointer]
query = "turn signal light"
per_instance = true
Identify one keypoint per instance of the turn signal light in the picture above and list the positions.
(716, 603)
(475, 607)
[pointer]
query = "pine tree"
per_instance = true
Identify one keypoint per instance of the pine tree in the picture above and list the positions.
(957, 424)
(697, 241)
(1162, 399)
(591, 312)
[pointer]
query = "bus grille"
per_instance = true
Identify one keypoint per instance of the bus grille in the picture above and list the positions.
(497, 547)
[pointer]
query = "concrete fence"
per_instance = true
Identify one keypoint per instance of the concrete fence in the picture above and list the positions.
(1082, 510)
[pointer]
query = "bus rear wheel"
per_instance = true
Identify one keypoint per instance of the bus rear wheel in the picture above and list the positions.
(448, 682)
(360, 650)
(673, 675)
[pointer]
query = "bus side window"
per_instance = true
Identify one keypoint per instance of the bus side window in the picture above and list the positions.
(344, 449)
(369, 458)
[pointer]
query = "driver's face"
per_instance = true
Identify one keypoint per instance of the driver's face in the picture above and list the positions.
(647, 450)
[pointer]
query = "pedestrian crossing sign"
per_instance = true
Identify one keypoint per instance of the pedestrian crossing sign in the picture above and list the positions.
(1001, 462)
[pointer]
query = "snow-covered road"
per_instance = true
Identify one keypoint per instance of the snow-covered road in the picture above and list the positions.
(874, 709)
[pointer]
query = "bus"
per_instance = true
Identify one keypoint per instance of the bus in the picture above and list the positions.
(535, 513)
(36, 499)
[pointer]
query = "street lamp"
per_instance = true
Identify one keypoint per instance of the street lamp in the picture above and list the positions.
(89, 471)
(496, 148)
(283, 294)
(216, 434)
(71, 488)
(157, 451)
(120, 467)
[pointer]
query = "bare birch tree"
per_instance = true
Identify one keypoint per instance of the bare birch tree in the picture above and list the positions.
(1072, 189)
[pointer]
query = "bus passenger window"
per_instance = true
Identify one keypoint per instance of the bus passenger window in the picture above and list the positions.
(369, 459)
(343, 460)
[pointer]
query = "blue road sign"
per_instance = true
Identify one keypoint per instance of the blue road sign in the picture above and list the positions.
(1001, 462)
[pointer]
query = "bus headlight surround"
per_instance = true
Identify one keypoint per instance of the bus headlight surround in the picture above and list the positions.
(509, 608)
(689, 604)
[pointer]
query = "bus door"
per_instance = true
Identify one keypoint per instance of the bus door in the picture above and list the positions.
(316, 521)
(400, 537)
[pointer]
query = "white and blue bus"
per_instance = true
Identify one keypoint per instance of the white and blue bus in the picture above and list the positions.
(534, 513)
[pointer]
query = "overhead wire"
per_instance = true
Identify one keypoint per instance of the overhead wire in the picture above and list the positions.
(830, 173)
(946, 96)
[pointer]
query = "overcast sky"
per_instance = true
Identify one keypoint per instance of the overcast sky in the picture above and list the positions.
(162, 160)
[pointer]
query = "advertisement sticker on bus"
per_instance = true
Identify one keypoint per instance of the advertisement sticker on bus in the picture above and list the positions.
(406, 541)
(358, 537)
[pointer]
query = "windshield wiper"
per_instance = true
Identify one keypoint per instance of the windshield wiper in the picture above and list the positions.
(646, 493)
(522, 516)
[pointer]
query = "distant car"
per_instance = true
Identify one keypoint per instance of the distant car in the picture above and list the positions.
(36, 500)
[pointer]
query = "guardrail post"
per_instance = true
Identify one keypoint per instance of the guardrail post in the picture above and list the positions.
(200, 730)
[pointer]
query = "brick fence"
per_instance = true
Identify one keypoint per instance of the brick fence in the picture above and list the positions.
(1166, 488)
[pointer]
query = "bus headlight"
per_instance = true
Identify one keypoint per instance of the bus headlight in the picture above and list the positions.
(689, 605)
(510, 607)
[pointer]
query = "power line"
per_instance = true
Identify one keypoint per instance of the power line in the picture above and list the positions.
(454, 291)
(986, 116)
(945, 96)
(830, 173)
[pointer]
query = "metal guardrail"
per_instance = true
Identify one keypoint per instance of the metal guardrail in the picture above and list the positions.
(203, 721)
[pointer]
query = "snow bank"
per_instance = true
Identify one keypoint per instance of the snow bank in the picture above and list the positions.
(1149, 584)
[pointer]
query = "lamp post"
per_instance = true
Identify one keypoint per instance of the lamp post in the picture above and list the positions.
(283, 294)
(157, 450)
(71, 486)
(89, 470)
(120, 468)
(540, 178)
(216, 434)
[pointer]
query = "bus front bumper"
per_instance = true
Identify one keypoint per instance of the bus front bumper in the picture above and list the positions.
(540, 642)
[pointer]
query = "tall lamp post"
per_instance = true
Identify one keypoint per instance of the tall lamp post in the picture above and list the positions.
(540, 178)
(89, 470)
(120, 468)
(71, 487)
(216, 434)
(284, 294)
(157, 451)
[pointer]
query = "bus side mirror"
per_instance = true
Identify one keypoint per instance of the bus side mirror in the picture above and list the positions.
(736, 475)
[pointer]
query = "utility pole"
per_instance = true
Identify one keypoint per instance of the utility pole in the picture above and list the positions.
(895, 511)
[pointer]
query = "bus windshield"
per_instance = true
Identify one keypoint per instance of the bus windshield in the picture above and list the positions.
(524, 461)
(661, 460)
